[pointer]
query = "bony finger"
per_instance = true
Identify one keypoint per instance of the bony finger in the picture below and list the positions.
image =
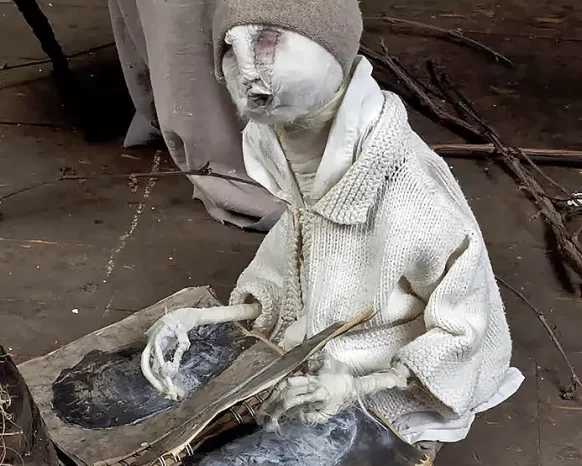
(300, 380)
(296, 400)
(267, 407)
(155, 328)
(318, 396)
(146, 369)
(269, 424)
(159, 355)
(294, 392)
(183, 346)
(275, 394)
(264, 413)
(286, 399)
(291, 382)
(280, 390)
(314, 417)
(171, 391)
(299, 396)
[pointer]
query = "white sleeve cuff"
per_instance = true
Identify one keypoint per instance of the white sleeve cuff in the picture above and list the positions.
(268, 295)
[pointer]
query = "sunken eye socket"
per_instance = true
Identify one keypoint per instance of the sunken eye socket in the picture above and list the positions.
(267, 38)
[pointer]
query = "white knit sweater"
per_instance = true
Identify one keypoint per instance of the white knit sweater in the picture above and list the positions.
(395, 233)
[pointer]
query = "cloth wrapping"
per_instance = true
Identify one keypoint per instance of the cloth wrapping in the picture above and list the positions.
(165, 50)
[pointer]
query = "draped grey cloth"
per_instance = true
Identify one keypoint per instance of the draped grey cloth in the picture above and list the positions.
(165, 50)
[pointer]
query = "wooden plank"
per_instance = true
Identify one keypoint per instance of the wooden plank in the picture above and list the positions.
(90, 445)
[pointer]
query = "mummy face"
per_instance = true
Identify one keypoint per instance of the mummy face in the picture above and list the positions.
(276, 76)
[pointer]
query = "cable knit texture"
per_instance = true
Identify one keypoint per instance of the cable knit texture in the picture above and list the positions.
(395, 234)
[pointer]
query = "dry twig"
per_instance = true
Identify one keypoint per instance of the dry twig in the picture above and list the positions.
(415, 94)
(464, 108)
(572, 158)
(505, 35)
(259, 336)
(452, 35)
(204, 171)
(568, 393)
(567, 243)
(89, 51)
(477, 130)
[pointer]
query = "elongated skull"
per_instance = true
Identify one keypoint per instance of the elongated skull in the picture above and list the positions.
(276, 76)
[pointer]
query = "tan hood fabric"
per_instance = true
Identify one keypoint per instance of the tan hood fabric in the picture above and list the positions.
(334, 24)
(165, 50)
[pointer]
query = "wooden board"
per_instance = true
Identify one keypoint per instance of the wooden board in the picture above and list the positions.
(89, 447)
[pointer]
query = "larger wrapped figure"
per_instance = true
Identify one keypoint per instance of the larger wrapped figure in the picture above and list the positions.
(374, 219)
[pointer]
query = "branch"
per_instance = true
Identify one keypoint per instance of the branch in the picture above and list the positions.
(204, 171)
(505, 35)
(452, 35)
(477, 129)
(567, 394)
(464, 107)
(572, 158)
(416, 96)
(568, 245)
(32, 123)
(89, 51)
(259, 336)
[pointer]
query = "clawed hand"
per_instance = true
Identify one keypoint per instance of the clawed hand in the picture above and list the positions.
(317, 398)
(170, 334)
(310, 399)
(166, 335)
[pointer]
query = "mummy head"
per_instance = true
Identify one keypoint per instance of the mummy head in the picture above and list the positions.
(276, 76)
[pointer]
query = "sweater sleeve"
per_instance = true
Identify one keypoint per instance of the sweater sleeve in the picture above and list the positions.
(262, 280)
(460, 310)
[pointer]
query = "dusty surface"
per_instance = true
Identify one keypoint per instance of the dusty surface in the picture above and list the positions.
(77, 256)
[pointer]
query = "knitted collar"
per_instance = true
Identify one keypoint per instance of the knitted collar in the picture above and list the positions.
(350, 200)
(367, 132)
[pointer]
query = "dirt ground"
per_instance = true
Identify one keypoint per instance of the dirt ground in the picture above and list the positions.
(80, 255)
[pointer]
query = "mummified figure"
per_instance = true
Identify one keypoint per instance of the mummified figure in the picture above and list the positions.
(374, 219)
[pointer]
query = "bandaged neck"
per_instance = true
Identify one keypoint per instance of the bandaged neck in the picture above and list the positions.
(304, 141)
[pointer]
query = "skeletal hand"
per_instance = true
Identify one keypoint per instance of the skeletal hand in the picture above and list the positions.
(317, 398)
(309, 399)
(170, 334)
